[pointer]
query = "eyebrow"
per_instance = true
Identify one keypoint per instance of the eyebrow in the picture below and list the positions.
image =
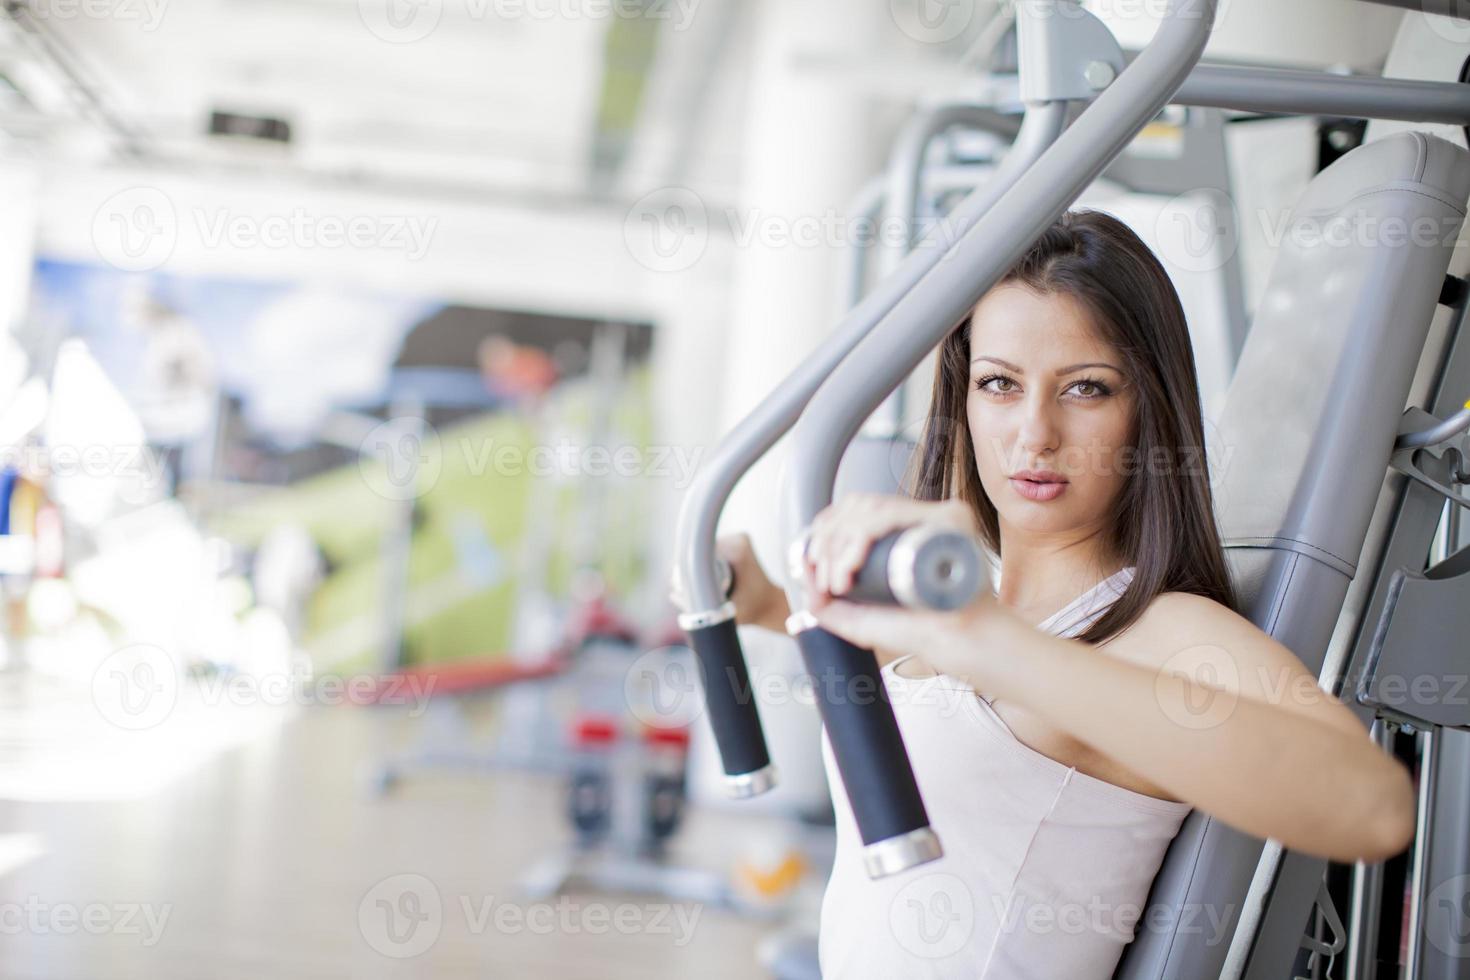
(1060, 371)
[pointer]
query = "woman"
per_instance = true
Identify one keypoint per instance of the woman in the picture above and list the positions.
(1062, 728)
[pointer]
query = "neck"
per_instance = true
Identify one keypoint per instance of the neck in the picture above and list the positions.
(1040, 573)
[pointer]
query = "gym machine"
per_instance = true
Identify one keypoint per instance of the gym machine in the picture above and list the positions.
(1329, 506)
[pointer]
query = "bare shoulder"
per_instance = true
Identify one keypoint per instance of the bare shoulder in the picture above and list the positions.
(1190, 634)
(1174, 621)
(1186, 610)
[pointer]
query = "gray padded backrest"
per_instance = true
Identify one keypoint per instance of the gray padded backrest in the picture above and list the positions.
(1304, 442)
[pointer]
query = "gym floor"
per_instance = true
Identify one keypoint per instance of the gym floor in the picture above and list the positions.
(255, 855)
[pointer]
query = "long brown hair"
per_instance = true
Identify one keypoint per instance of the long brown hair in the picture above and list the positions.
(1163, 520)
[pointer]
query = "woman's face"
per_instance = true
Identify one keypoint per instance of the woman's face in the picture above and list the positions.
(1049, 409)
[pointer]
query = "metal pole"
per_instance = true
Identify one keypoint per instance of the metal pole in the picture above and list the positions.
(948, 291)
(864, 734)
(1445, 8)
(1315, 93)
(1442, 950)
(906, 170)
(763, 427)
(867, 206)
(710, 620)
(1418, 869)
(1367, 896)
(900, 229)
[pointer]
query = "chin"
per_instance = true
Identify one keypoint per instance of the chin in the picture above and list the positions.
(1035, 523)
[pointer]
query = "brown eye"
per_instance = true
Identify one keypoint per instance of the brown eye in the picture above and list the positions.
(1089, 389)
(986, 383)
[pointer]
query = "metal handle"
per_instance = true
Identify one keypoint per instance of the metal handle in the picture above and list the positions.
(920, 567)
(1448, 429)
(758, 432)
(762, 428)
(729, 700)
(869, 752)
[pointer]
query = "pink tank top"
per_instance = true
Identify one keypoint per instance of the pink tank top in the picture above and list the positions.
(1046, 870)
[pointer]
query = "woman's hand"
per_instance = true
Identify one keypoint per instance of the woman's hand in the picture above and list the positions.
(844, 532)
(758, 601)
(953, 643)
(842, 535)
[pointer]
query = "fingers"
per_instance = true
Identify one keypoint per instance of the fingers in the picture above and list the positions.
(753, 593)
(843, 534)
(735, 550)
(739, 553)
(841, 557)
(838, 543)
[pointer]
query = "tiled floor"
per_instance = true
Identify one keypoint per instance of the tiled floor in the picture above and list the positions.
(248, 848)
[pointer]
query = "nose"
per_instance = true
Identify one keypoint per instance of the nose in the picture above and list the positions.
(1039, 432)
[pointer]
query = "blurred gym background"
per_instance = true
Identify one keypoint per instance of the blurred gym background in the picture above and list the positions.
(356, 355)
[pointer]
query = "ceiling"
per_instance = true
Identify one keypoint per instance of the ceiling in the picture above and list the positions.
(540, 101)
(486, 96)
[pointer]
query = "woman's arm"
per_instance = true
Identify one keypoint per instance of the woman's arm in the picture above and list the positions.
(1234, 726)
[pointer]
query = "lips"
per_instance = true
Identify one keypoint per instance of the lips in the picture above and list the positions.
(1039, 476)
(1038, 485)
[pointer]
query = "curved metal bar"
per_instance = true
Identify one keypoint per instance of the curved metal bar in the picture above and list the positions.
(906, 169)
(867, 206)
(866, 743)
(951, 288)
(1448, 429)
(759, 431)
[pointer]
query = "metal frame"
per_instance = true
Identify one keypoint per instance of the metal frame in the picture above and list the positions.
(910, 311)
(754, 435)
(1240, 89)
(1443, 8)
(1201, 166)
(901, 190)
(981, 255)
(1311, 93)
(1408, 532)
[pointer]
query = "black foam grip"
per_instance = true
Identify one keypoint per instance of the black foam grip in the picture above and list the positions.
(864, 734)
(729, 698)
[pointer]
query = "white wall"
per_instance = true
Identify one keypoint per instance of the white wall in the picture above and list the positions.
(18, 204)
